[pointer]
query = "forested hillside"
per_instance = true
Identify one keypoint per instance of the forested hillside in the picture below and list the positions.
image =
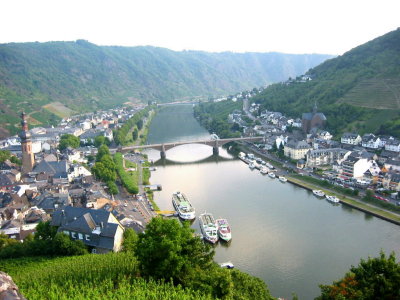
(359, 90)
(55, 79)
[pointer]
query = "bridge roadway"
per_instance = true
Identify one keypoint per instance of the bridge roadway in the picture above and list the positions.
(166, 146)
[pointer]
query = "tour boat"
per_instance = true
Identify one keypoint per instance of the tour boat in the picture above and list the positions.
(271, 174)
(282, 178)
(318, 193)
(183, 207)
(332, 199)
(224, 230)
(208, 227)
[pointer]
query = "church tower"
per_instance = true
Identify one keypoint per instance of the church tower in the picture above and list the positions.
(27, 155)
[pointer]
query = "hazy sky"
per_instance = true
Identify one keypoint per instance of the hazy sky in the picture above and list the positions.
(290, 26)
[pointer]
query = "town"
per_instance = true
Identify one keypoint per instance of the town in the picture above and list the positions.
(40, 180)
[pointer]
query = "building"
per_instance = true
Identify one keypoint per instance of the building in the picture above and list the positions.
(296, 149)
(393, 145)
(312, 120)
(322, 157)
(350, 138)
(28, 159)
(97, 228)
(370, 141)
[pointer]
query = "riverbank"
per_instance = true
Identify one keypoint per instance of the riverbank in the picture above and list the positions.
(344, 199)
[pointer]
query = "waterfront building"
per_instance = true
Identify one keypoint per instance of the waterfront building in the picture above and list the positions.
(322, 157)
(295, 149)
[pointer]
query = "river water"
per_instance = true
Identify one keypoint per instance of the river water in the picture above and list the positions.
(281, 233)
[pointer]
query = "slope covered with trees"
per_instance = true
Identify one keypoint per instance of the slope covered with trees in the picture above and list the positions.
(54, 79)
(359, 90)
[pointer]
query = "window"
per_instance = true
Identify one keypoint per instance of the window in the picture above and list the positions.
(73, 235)
(66, 232)
(80, 235)
(87, 237)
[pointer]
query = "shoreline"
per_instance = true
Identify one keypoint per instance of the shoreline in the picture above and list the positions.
(344, 199)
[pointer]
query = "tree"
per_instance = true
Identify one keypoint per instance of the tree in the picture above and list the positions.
(103, 150)
(99, 140)
(68, 140)
(63, 245)
(112, 188)
(170, 250)
(135, 134)
(4, 155)
(130, 240)
(374, 278)
(45, 232)
(15, 160)
(139, 124)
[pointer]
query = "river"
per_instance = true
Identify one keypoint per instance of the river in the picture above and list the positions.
(281, 233)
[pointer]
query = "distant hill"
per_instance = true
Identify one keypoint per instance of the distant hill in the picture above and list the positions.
(359, 90)
(54, 79)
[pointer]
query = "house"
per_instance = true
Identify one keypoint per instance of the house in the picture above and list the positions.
(57, 170)
(393, 145)
(369, 140)
(391, 181)
(98, 229)
(392, 165)
(350, 138)
(296, 149)
(321, 157)
(355, 166)
(108, 133)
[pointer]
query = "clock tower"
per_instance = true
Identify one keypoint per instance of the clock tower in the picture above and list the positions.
(28, 159)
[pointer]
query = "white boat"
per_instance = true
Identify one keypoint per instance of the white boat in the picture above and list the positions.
(183, 207)
(208, 227)
(252, 165)
(282, 178)
(318, 193)
(214, 137)
(227, 265)
(332, 199)
(264, 170)
(271, 174)
(224, 230)
(269, 165)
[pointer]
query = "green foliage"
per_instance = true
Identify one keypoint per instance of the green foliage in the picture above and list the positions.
(45, 242)
(170, 250)
(139, 124)
(374, 278)
(214, 117)
(112, 188)
(100, 140)
(102, 150)
(337, 82)
(121, 135)
(4, 155)
(15, 160)
(130, 182)
(68, 140)
(130, 240)
(135, 134)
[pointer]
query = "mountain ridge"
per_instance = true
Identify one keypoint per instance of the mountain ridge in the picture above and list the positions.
(84, 76)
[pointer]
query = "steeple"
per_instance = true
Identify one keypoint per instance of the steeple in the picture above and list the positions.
(315, 108)
(28, 159)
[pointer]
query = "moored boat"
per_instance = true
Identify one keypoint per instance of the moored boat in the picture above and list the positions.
(183, 207)
(271, 174)
(332, 199)
(252, 165)
(282, 178)
(224, 230)
(264, 170)
(318, 193)
(208, 227)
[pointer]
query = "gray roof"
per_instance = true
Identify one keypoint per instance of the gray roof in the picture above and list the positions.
(58, 169)
(294, 144)
(350, 135)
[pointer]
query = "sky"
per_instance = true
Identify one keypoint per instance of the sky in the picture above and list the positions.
(289, 26)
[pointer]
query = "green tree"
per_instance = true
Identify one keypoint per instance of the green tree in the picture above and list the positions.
(102, 150)
(139, 124)
(135, 134)
(112, 188)
(68, 140)
(130, 240)
(99, 140)
(63, 245)
(4, 155)
(170, 250)
(45, 232)
(374, 278)
(15, 160)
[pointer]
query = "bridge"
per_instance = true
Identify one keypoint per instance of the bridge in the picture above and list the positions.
(163, 148)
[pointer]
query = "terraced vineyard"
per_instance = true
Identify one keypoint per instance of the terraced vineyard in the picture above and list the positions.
(375, 93)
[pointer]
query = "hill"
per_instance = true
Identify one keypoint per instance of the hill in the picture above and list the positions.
(54, 79)
(359, 90)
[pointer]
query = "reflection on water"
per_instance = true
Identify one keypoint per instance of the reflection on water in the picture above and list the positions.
(280, 232)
